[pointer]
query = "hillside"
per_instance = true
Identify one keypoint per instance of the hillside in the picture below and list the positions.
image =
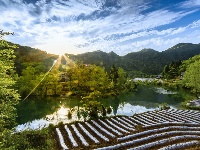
(147, 61)
(25, 55)
(99, 58)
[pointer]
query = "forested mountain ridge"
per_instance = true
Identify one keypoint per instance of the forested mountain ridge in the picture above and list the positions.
(26, 55)
(146, 61)
(99, 58)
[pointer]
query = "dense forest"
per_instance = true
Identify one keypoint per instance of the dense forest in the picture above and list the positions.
(146, 61)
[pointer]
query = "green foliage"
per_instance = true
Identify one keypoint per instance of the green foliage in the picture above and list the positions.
(69, 114)
(91, 82)
(33, 76)
(189, 61)
(191, 77)
(87, 81)
(163, 106)
(98, 58)
(26, 82)
(172, 70)
(34, 139)
(27, 56)
(138, 64)
(92, 109)
(114, 75)
(8, 95)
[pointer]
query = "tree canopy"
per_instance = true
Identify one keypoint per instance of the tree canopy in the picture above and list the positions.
(8, 95)
(191, 77)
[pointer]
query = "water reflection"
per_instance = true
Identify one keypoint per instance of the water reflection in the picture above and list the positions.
(130, 110)
(37, 113)
(59, 116)
(161, 90)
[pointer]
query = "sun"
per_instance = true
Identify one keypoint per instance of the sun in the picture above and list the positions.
(61, 53)
(57, 46)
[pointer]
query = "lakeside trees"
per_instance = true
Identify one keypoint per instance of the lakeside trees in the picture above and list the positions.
(172, 70)
(191, 77)
(8, 95)
(84, 81)
(91, 82)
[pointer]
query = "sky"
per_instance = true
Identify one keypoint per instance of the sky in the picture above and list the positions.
(121, 26)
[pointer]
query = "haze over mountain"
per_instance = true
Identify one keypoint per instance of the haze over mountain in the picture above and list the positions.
(121, 26)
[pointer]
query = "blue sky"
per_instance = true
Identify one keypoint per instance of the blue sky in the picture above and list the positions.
(122, 26)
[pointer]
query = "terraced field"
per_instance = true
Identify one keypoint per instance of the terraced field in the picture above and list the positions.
(166, 129)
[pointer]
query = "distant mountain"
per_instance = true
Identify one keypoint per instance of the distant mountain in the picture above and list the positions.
(25, 54)
(99, 58)
(147, 61)
(144, 61)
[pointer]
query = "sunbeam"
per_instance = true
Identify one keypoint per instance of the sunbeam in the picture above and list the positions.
(70, 62)
(56, 63)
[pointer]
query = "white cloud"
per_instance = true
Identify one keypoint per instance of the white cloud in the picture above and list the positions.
(195, 24)
(54, 25)
(190, 4)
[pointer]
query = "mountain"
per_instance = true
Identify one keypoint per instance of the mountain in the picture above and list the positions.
(182, 51)
(146, 61)
(98, 58)
(25, 54)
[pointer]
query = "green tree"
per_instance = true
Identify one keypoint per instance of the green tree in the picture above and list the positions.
(191, 77)
(187, 62)
(88, 83)
(49, 84)
(82, 80)
(26, 82)
(172, 70)
(122, 78)
(114, 74)
(8, 95)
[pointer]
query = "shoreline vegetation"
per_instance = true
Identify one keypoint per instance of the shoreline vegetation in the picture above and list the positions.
(174, 85)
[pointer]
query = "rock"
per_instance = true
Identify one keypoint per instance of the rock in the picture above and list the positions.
(194, 103)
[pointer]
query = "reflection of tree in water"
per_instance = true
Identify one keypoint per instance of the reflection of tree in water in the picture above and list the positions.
(183, 94)
(115, 104)
(34, 108)
(71, 102)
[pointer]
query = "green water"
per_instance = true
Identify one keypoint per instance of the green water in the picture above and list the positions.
(53, 110)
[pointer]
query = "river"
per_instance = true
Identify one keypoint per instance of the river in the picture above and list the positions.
(34, 113)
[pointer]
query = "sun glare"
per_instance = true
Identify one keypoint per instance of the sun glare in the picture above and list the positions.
(58, 45)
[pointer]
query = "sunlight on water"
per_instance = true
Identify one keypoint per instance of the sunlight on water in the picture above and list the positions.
(61, 115)
(55, 118)
(146, 99)
(130, 110)
(161, 90)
